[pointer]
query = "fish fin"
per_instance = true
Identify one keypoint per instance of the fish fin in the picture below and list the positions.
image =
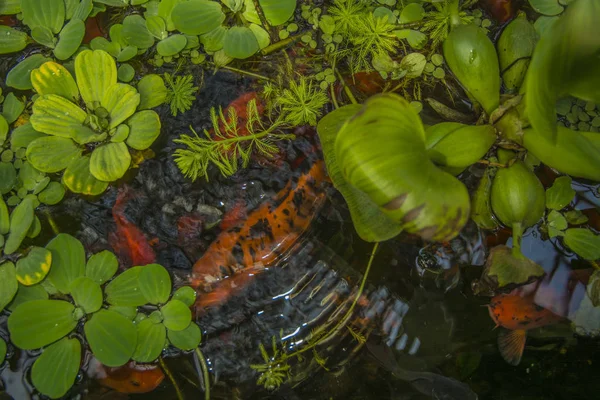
(511, 345)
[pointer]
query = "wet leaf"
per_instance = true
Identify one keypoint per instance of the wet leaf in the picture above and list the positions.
(68, 261)
(12, 40)
(195, 17)
(277, 12)
(171, 45)
(150, 342)
(413, 64)
(110, 161)
(8, 283)
(155, 283)
(112, 337)
(153, 91)
(185, 294)
(101, 267)
(52, 194)
(34, 267)
(576, 217)
(556, 224)
(177, 316)
(28, 293)
(52, 317)
(121, 101)
(187, 339)
(503, 268)
(52, 153)
(69, 39)
(21, 219)
(87, 294)
(20, 76)
(560, 194)
(53, 78)
(136, 33)
(124, 290)
(584, 242)
(96, 72)
(144, 128)
(47, 13)
(78, 178)
(54, 372)
(240, 43)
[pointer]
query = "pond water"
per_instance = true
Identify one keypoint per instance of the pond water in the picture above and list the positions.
(297, 323)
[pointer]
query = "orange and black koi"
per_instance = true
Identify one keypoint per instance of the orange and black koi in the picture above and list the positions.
(129, 378)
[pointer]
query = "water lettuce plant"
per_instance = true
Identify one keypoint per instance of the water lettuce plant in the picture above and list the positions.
(92, 144)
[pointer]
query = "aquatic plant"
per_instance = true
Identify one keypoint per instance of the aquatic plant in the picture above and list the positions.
(446, 15)
(300, 103)
(181, 93)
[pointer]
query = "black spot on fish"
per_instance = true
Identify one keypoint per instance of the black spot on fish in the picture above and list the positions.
(539, 308)
(286, 211)
(238, 253)
(298, 199)
(524, 323)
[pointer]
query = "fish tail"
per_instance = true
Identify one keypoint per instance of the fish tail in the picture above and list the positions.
(511, 345)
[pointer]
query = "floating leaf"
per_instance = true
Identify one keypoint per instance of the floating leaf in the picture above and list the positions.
(56, 116)
(8, 177)
(96, 71)
(12, 108)
(34, 267)
(546, 7)
(28, 293)
(556, 224)
(54, 372)
(125, 73)
(43, 36)
(86, 294)
(112, 337)
(78, 178)
(53, 78)
(213, 40)
(52, 153)
(52, 317)
(195, 17)
(4, 217)
(124, 290)
(153, 91)
(21, 219)
(576, 217)
(69, 39)
(583, 242)
(47, 13)
(155, 283)
(10, 7)
(8, 283)
(136, 33)
(172, 45)
(20, 76)
(2, 350)
(187, 339)
(177, 316)
(503, 268)
(240, 42)
(277, 12)
(157, 27)
(52, 194)
(185, 294)
(12, 40)
(481, 207)
(560, 194)
(144, 128)
(110, 161)
(101, 267)
(68, 261)
(121, 101)
(128, 312)
(151, 340)
(413, 64)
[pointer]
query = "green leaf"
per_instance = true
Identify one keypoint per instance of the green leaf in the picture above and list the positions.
(185, 294)
(4, 217)
(128, 312)
(86, 294)
(52, 153)
(177, 316)
(155, 284)
(68, 261)
(8, 283)
(96, 71)
(12, 108)
(110, 161)
(195, 17)
(36, 226)
(43, 36)
(277, 12)
(151, 339)
(78, 178)
(157, 27)
(187, 339)
(53, 194)
(213, 40)
(413, 64)
(153, 91)
(125, 73)
(144, 128)
(593, 288)
(2, 350)
(20, 76)
(546, 7)
(399, 177)
(23, 135)
(54, 372)
(27, 321)
(560, 194)
(240, 42)
(56, 116)
(165, 7)
(83, 10)
(565, 62)
(583, 242)
(101, 267)
(10, 7)
(556, 224)
(3, 129)
(34, 267)
(21, 219)
(576, 217)
(125, 290)
(262, 36)
(121, 101)
(101, 43)
(136, 33)
(413, 12)
(46, 13)
(504, 268)
(171, 45)
(8, 177)
(28, 293)
(112, 337)
(69, 39)
(372, 224)
(515, 47)
(53, 78)
(12, 40)
(127, 53)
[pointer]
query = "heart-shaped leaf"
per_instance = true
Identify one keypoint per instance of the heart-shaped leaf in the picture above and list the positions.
(86, 294)
(187, 339)
(101, 267)
(153, 91)
(78, 178)
(151, 340)
(34, 267)
(112, 337)
(125, 290)
(68, 261)
(177, 316)
(54, 372)
(110, 161)
(155, 283)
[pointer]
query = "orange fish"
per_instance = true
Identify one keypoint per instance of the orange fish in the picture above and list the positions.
(129, 242)
(501, 10)
(130, 378)
(265, 236)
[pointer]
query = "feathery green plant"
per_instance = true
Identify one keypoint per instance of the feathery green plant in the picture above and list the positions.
(447, 14)
(301, 103)
(181, 93)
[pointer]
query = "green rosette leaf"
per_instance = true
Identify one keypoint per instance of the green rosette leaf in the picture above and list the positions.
(112, 337)
(172, 45)
(187, 339)
(121, 101)
(53, 78)
(153, 91)
(196, 17)
(155, 284)
(136, 33)
(583, 242)
(47, 13)
(101, 267)
(240, 42)
(52, 194)
(96, 72)
(28, 293)
(277, 12)
(34, 267)
(52, 153)
(144, 128)
(177, 316)
(54, 372)
(110, 161)
(125, 290)
(78, 178)
(56, 116)
(86, 294)
(68, 261)
(69, 39)
(185, 294)
(151, 340)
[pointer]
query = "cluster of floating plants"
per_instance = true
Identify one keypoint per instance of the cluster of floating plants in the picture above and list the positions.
(77, 113)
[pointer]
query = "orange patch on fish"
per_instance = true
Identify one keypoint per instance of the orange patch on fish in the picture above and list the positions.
(131, 378)
(8, 20)
(501, 10)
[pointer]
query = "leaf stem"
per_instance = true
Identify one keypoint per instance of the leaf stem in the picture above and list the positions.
(204, 373)
(241, 71)
(171, 378)
(346, 88)
(280, 44)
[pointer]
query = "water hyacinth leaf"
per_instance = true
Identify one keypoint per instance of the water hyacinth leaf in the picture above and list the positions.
(52, 153)
(171, 45)
(78, 178)
(53, 78)
(54, 372)
(12, 108)
(515, 47)
(96, 71)
(277, 12)
(34, 267)
(185, 294)
(10, 7)
(43, 36)
(157, 27)
(69, 39)
(371, 223)
(110, 161)
(177, 316)
(151, 338)
(155, 283)
(136, 33)
(413, 64)
(187, 339)
(196, 17)
(121, 101)
(124, 290)
(560, 194)
(112, 337)
(503, 268)
(26, 322)
(8, 177)
(12, 40)
(546, 7)
(8, 283)
(57, 116)
(101, 267)
(153, 91)
(399, 177)
(2, 350)
(144, 128)
(125, 73)
(21, 219)
(46, 13)
(564, 63)
(20, 76)
(240, 42)
(28, 293)
(583, 242)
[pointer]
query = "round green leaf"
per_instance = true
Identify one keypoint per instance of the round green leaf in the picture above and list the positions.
(21, 219)
(54, 372)
(43, 36)
(12, 108)
(262, 36)
(583, 242)
(546, 7)
(34, 267)
(185, 294)
(157, 27)
(187, 339)
(68, 261)
(53, 194)
(125, 73)
(136, 33)
(177, 316)
(110, 161)
(102, 266)
(48, 13)
(12, 40)
(277, 12)
(128, 312)
(155, 283)
(96, 71)
(124, 290)
(153, 91)
(413, 12)
(57, 116)
(78, 178)
(120, 101)
(8, 177)
(112, 337)
(560, 194)
(52, 153)
(20, 76)
(4, 218)
(213, 40)
(23, 135)
(151, 340)
(127, 53)
(28, 293)
(69, 39)
(240, 42)
(53, 78)
(86, 294)
(2, 350)
(30, 328)
(171, 45)
(195, 17)
(8, 283)
(144, 128)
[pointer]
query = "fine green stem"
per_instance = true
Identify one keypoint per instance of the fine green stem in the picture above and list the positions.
(171, 378)
(241, 71)
(52, 223)
(346, 88)
(333, 98)
(280, 44)
(204, 367)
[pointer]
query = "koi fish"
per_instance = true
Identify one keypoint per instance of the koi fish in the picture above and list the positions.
(129, 242)
(262, 239)
(501, 10)
(130, 378)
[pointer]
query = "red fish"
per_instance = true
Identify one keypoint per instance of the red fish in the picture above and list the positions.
(501, 10)
(130, 378)
(129, 242)
(93, 28)
(266, 235)
(8, 20)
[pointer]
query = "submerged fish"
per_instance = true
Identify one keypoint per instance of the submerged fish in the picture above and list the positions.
(130, 378)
